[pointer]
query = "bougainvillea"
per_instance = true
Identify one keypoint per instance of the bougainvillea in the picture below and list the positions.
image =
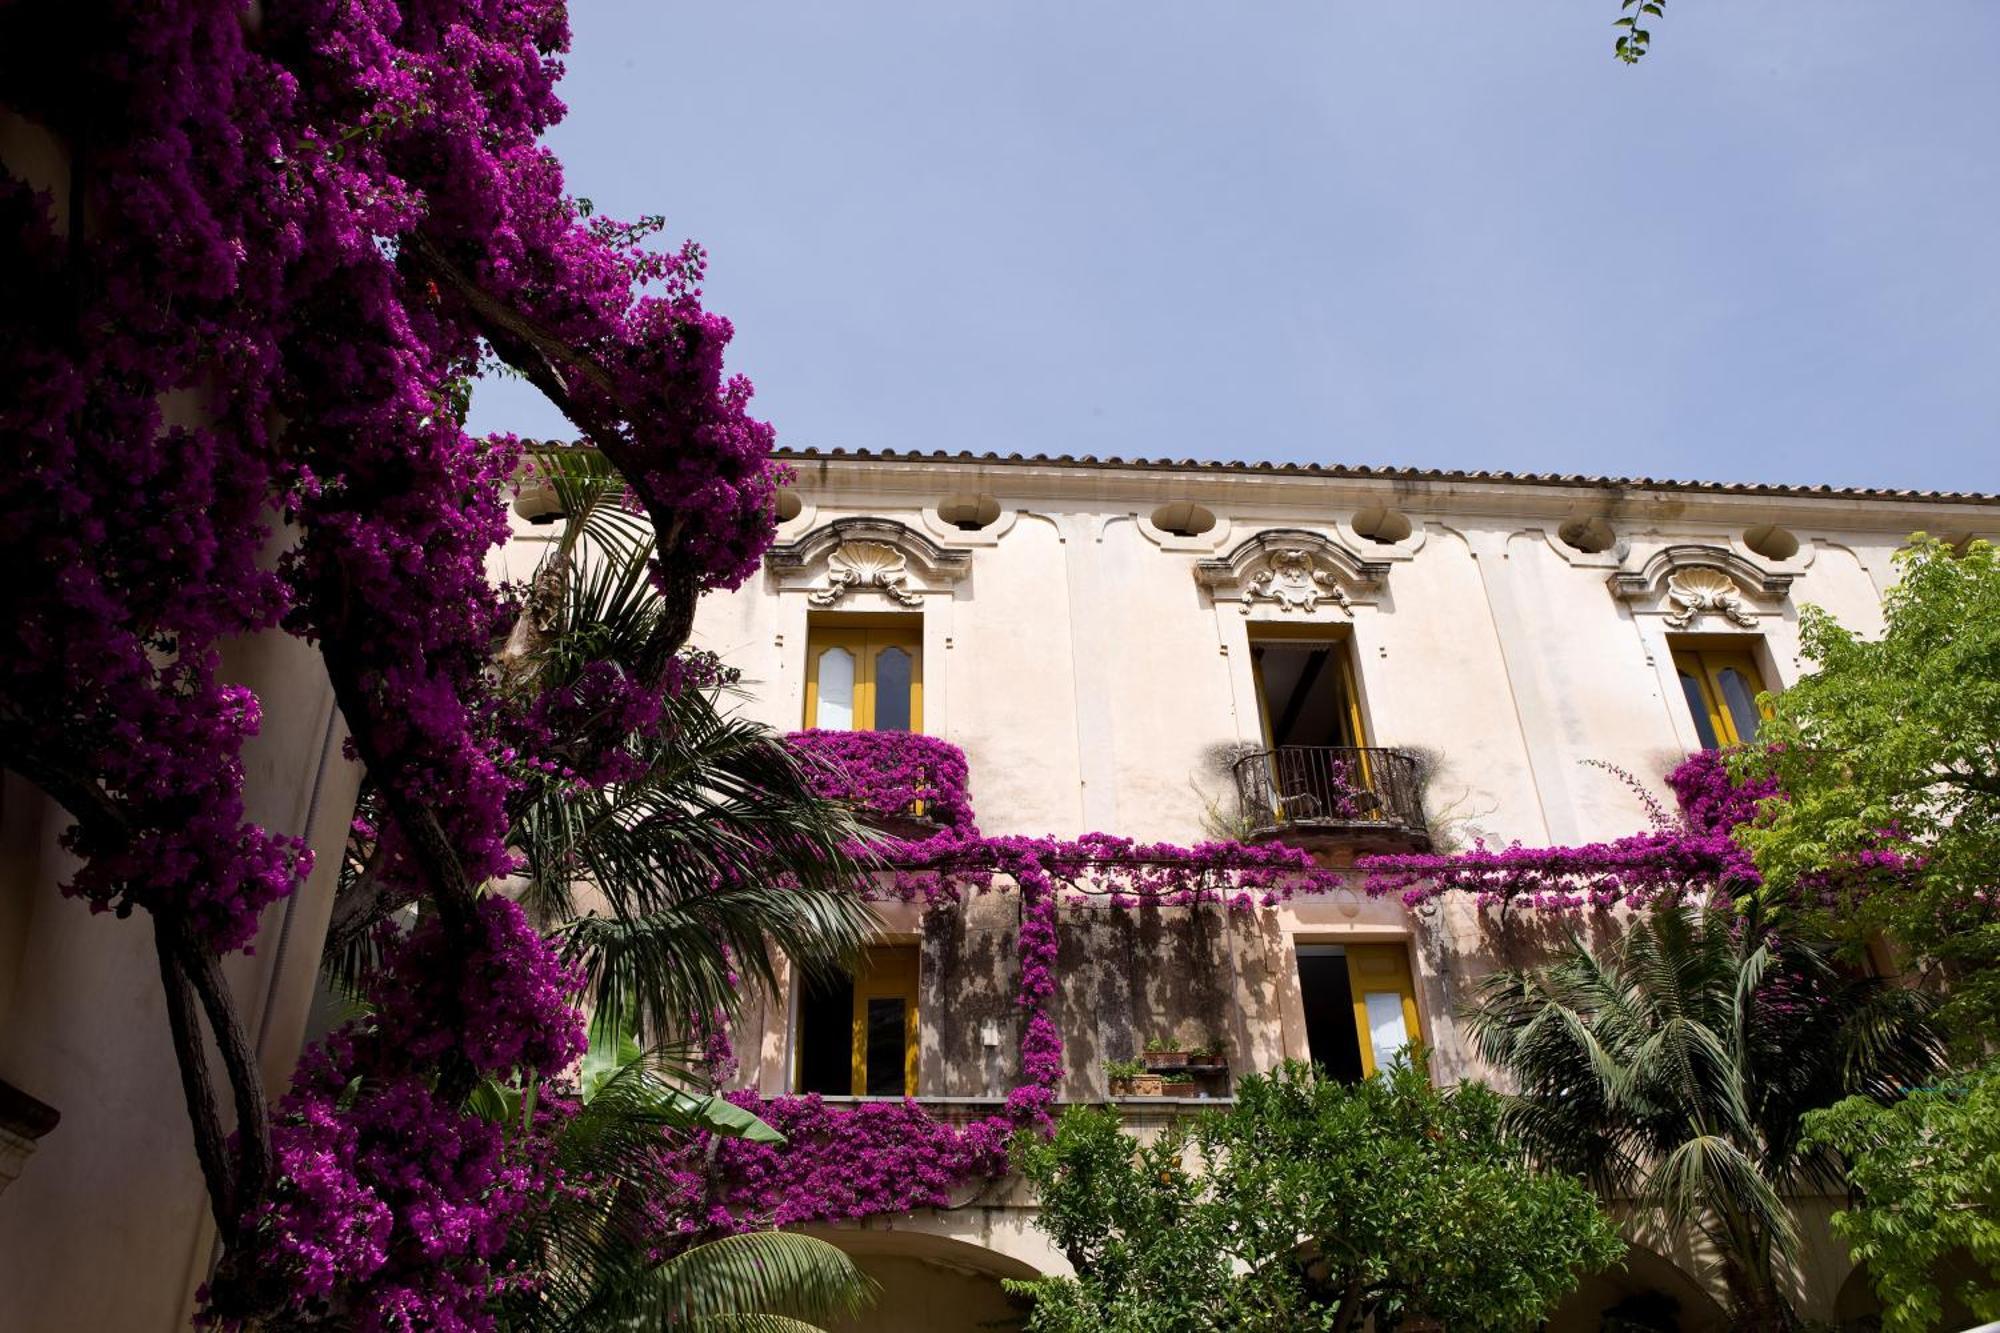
(888, 773)
(508, 1003)
(878, 1157)
(393, 1204)
(892, 1156)
(1692, 854)
(253, 260)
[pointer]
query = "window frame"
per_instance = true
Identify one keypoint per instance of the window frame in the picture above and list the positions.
(1703, 661)
(1378, 967)
(1339, 642)
(865, 637)
(887, 971)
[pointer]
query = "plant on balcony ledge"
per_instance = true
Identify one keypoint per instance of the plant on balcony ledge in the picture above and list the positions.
(1123, 1075)
(888, 777)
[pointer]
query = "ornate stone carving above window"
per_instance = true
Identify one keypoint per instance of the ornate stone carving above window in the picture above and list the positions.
(855, 566)
(855, 559)
(1703, 591)
(1687, 585)
(1292, 570)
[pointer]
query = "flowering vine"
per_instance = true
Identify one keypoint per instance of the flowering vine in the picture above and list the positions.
(883, 1157)
(244, 303)
(888, 773)
(1683, 855)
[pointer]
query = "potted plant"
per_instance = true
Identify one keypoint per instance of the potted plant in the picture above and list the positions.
(1177, 1083)
(1208, 1057)
(1122, 1074)
(1163, 1054)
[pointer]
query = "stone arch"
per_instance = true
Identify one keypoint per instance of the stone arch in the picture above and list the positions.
(1643, 1276)
(932, 1281)
(1856, 1299)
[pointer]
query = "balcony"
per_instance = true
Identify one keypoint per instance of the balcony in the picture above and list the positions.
(1334, 798)
(904, 784)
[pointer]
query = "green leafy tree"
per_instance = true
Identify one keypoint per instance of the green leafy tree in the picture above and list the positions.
(1310, 1204)
(1925, 1175)
(1895, 742)
(1674, 1067)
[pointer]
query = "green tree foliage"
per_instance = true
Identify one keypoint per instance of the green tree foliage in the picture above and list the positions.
(1925, 1174)
(1310, 1204)
(1896, 741)
(1674, 1067)
(1634, 38)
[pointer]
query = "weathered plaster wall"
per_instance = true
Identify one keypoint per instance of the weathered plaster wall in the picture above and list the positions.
(1091, 678)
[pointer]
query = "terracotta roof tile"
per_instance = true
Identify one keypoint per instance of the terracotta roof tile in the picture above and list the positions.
(1365, 472)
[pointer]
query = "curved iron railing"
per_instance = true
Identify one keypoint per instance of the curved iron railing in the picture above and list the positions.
(1332, 787)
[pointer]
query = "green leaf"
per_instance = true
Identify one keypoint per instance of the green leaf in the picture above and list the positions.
(614, 1044)
(758, 1272)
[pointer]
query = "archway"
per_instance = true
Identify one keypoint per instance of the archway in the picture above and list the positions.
(1856, 1307)
(930, 1283)
(1644, 1294)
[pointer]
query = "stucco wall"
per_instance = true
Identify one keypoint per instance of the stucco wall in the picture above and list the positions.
(1091, 673)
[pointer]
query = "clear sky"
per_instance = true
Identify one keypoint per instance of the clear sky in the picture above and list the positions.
(1360, 231)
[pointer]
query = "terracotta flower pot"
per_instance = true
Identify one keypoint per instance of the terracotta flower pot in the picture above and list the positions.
(1167, 1059)
(1148, 1085)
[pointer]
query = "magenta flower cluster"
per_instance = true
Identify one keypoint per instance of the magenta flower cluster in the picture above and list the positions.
(393, 1206)
(1692, 854)
(885, 773)
(878, 1157)
(506, 1002)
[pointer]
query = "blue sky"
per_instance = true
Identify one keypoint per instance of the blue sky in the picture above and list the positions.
(1360, 231)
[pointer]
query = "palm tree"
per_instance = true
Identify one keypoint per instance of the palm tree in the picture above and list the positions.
(1673, 1068)
(677, 885)
(709, 859)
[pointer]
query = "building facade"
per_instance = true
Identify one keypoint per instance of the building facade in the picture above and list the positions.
(1349, 660)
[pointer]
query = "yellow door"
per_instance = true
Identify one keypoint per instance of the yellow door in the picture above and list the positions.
(865, 678)
(885, 1023)
(1385, 1002)
(1721, 688)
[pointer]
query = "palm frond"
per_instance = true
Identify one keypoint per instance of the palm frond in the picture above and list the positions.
(1709, 1182)
(779, 1273)
(750, 1323)
(1675, 1066)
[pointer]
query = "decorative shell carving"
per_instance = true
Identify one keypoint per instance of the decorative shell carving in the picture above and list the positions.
(865, 565)
(1699, 591)
(1295, 581)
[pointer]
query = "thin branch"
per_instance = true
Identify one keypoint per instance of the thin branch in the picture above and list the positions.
(368, 898)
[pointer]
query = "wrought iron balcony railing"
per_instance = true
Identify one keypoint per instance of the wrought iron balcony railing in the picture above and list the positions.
(1333, 790)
